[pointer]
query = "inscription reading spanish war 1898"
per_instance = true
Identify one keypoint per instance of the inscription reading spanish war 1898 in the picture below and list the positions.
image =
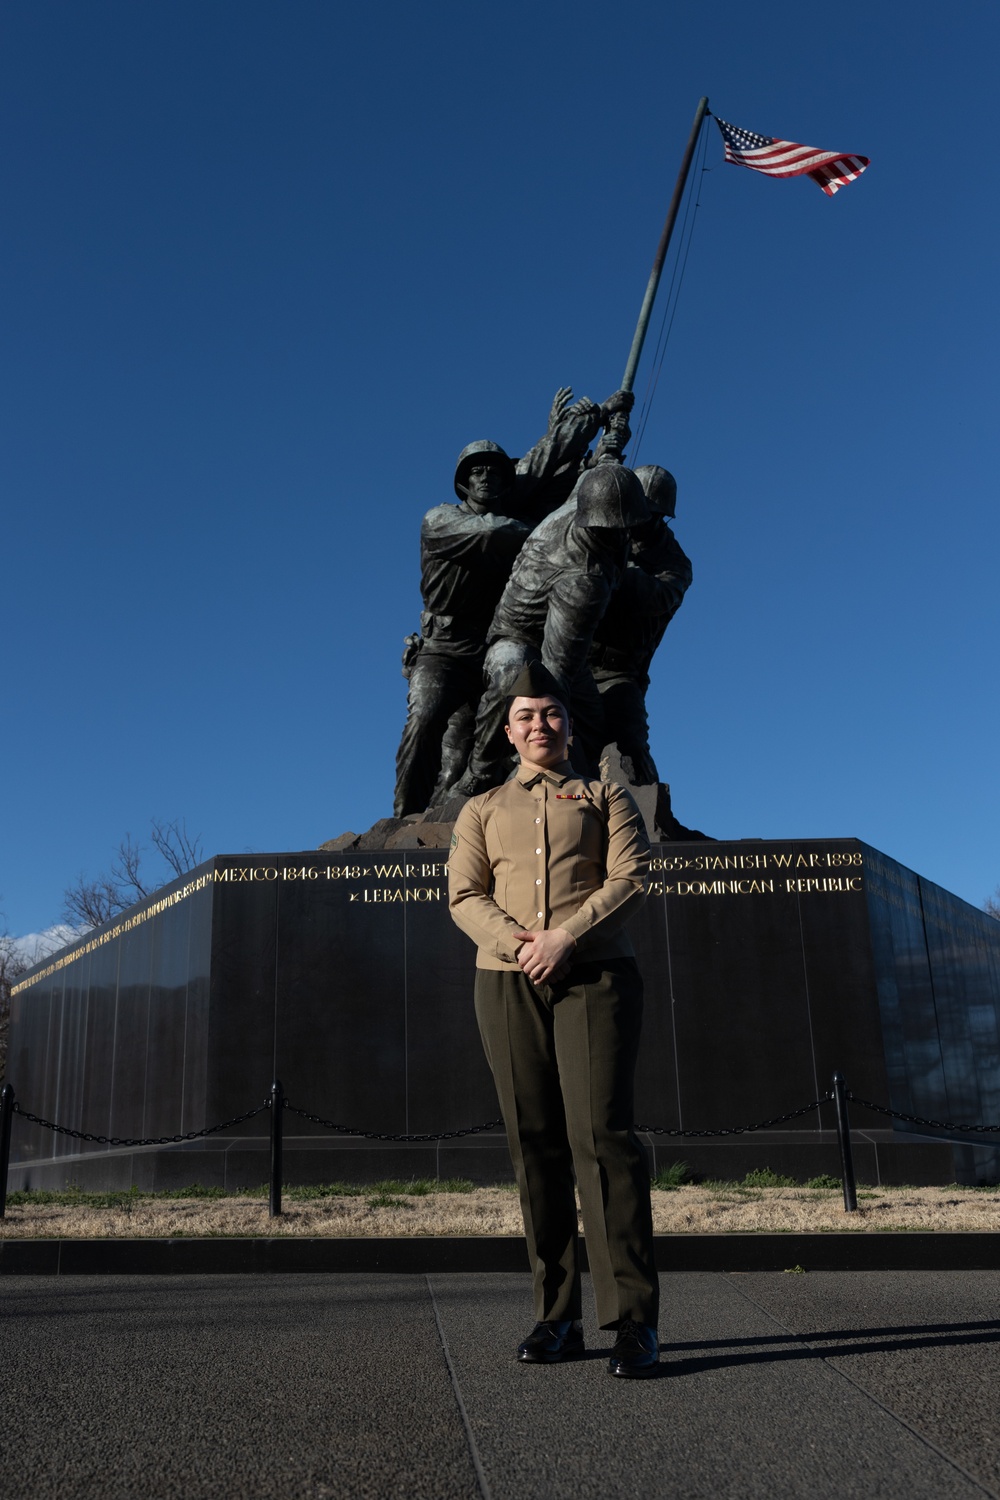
(752, 882)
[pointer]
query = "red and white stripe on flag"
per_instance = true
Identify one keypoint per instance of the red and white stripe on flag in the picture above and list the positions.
(831, 170)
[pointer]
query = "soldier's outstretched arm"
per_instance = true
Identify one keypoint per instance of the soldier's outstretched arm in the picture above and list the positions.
(564, 444)
(560, 401)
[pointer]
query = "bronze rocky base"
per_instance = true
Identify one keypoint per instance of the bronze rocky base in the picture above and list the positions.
(432, 829)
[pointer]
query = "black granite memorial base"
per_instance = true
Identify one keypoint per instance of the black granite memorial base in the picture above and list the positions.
(768, 965)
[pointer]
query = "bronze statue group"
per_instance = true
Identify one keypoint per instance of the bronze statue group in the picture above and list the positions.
(563, 556)
(546, 592)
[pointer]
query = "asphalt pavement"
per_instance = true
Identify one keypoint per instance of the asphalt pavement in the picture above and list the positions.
(330, 1387)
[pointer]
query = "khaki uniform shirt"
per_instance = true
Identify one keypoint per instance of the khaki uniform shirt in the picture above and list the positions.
(548, 849)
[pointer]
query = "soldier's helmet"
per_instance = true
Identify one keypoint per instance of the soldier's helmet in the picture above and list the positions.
(660, 487)
(609, 495)
(479, 450)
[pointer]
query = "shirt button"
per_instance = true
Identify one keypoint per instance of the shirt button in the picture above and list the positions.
(538, 820)
(538, 851)
(541, 915)
(538, 882)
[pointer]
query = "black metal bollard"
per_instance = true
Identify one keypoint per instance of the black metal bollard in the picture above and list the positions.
(277, 1111)
(6, 1124)
(844, 1142)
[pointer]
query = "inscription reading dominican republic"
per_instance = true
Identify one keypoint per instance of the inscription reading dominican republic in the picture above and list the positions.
(752, 881)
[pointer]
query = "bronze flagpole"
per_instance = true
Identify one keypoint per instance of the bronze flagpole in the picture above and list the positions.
(661, 250)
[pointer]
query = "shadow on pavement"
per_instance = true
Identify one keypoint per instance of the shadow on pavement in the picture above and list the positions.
(834, 1345)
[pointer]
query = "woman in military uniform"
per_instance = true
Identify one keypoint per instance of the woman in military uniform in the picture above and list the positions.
(543, 872)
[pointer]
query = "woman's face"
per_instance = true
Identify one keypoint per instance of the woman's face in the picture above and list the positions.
(539, 730)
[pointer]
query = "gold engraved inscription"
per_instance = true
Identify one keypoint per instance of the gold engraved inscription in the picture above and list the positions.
(135, 920)
(712, 888)
(750, 882)
(827, 859)
(386, 896)
(432, 871)
(830, 883)
(375, 877)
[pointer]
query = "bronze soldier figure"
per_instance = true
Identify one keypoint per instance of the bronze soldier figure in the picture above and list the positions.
(466, 554)
(558, 591)
(646, 599)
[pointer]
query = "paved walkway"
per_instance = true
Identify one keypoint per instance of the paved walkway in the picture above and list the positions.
(340, 1386)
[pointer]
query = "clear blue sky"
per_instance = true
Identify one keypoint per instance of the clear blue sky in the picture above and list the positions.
(267, 267)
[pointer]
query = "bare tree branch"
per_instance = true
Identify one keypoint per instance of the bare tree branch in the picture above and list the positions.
(171, 839)
(125, 872)
(91, 903)
(992, 904)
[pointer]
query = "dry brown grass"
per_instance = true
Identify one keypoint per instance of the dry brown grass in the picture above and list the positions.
(729, 1210)
(492, 1211)
(711, 1209)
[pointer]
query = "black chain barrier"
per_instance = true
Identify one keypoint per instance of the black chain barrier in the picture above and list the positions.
(378, 1135)
(450, 1135)
(128, 1140)
(795, 1114)
(839, 1097)
(898, 1114)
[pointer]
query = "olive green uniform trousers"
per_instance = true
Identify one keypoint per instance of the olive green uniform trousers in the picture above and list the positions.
(563, 1059)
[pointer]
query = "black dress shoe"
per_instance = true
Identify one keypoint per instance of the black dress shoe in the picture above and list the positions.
(636, 1354)
(551, 1343)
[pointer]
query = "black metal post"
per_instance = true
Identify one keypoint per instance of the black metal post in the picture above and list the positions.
(6, 1123)
(277, 1111)
(844, 1142)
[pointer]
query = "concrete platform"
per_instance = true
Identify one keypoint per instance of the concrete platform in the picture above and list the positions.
(420, 1255)
(326, 1387)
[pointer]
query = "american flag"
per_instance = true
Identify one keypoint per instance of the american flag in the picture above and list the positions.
(762, 153)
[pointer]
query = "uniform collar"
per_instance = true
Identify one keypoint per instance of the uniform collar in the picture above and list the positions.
(558, 775)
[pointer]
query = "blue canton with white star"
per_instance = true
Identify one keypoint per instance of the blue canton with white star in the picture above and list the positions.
(744, 140)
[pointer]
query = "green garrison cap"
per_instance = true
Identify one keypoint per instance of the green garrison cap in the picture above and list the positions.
(536, 681)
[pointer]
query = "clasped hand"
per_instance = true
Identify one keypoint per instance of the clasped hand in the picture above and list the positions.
(544, 956)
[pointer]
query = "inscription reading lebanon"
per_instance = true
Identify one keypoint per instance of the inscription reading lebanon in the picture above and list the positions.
(380, 896)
